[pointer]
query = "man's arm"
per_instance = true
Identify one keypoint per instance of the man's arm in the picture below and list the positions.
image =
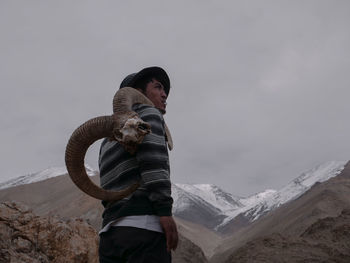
(153, 159)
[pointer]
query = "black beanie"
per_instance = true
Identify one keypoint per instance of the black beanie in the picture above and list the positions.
(156, 72)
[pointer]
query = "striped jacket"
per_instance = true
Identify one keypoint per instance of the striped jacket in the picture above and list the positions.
(150, 166)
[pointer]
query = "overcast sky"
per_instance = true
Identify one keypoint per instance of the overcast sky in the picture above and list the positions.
(260, 89)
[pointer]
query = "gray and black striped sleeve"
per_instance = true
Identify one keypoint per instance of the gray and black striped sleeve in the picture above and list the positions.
(153, 160)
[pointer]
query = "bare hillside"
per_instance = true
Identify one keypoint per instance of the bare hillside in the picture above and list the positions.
(291, 220)
(206, 239)
(326, 240)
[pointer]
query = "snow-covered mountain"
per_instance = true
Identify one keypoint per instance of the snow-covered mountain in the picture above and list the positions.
(40, 176)
(211, 194)
(203, 203)
(259, 204)
(212, 207)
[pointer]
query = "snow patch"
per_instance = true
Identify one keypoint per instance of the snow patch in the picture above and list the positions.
(259, 204)
(41, 176)
(211, 194)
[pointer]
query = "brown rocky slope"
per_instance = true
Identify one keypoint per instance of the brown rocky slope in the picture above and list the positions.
(291, 222)
(25, 237)
(327, 240)
(59, 197)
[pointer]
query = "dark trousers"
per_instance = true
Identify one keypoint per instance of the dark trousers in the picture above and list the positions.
(123, 244)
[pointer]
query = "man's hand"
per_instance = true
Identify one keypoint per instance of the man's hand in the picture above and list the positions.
(170, 230)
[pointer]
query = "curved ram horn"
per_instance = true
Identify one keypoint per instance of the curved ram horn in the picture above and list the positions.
(81, 139)
(125, 98)
(111, 127)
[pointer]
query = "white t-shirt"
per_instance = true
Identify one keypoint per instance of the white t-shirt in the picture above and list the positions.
(149, 222)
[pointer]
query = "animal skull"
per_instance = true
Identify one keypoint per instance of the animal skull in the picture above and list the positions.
(132, 133)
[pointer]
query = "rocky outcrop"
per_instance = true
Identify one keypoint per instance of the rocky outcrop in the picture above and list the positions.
(26, 237)
(327, 240)
(60, 197)
(188, 252)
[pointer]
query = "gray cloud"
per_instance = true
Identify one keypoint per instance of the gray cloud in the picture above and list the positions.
(260, 88)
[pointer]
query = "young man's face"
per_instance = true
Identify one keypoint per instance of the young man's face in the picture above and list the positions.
(156, 93)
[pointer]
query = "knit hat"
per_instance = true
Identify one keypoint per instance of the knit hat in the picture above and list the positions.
(156, 72)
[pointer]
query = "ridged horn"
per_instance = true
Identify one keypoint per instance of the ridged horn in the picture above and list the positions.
(78, 144)
(125, 98)
(97, 128)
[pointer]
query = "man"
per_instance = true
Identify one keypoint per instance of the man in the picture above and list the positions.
(140, 227)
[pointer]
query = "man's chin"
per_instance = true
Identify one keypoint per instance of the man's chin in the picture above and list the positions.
(162, 110)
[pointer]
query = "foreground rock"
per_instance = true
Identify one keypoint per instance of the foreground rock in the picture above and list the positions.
(25, 237)
(327, 240)
(188, 252)
(60, 197)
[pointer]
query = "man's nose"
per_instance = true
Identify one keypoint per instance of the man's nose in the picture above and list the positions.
(163, 94)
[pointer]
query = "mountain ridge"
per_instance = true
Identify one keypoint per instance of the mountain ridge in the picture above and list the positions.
(209, 205)
(271, 199)
(59, 196)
